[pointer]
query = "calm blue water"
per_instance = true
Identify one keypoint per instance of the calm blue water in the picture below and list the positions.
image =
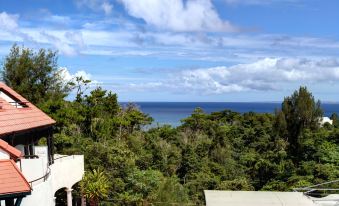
(172, 112)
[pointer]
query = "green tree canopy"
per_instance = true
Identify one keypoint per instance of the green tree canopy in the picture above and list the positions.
(35, 75)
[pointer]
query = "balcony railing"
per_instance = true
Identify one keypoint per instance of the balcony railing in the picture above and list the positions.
(38, 170)
(30, 156)
(41, 179)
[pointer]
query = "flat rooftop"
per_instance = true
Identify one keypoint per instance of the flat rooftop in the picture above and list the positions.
(256, 198)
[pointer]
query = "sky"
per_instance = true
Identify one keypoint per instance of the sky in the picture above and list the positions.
(185, 50)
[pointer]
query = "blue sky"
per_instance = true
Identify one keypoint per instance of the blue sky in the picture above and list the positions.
(185, 50)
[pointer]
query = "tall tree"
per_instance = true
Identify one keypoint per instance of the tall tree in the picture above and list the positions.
(299, 111)
(35, 75)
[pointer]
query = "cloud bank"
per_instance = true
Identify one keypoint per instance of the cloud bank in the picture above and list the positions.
(67, 76)
(96, 5)
(8, 22)
(179, 15)
(263, 75)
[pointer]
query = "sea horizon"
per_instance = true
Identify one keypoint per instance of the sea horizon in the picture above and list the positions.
(172, 113)
(156, 101)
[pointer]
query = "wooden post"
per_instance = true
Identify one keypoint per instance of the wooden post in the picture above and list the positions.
(50, 147)
(9, 202)
(52, 144)
(18, 201)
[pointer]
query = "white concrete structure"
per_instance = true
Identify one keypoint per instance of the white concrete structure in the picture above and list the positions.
(330, 200)
(39, 170)
(261, 198)
(47, 179)
(325, 120)
(255, 198)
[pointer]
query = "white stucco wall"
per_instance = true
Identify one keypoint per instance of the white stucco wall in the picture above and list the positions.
(42, 195)
(35, 168)
(3, 154)
(65, 172)
(325, 120)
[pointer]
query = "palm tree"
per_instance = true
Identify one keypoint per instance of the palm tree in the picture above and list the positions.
(94, 186)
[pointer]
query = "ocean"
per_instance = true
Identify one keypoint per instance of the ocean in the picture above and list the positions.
(172, 112)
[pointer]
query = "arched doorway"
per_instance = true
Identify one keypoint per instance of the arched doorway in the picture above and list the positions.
(77, 197)
(61, 197)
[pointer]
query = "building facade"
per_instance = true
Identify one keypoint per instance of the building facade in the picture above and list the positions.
(22, 126)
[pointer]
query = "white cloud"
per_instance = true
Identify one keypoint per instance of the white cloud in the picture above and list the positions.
(218, 47)
(8, 22)
(262, 75)
(196, 46)
(58, 19)
(75, 37)
(179, 15)
(66, 44)
(107, 7)
(148, 86)
(258, 2)
(60, 45)
(96, 5)
(67, 76)
(265, 74)
(84, 75)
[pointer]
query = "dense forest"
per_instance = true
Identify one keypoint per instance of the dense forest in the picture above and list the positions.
(127, 164)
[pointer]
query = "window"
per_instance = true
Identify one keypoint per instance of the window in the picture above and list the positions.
(11, 99)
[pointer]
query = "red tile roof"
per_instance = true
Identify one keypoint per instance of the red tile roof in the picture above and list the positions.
(11, 179)
(14, 119)
(12, 151)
